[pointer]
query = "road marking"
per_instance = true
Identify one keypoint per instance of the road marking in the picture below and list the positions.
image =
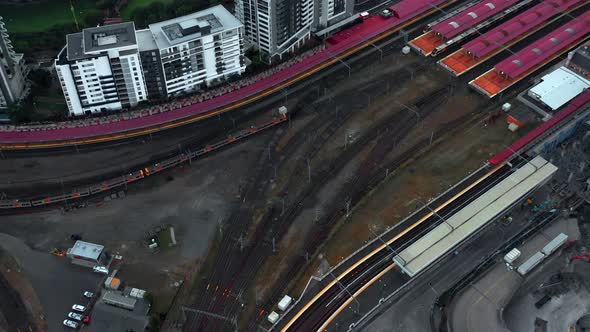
(389, 242)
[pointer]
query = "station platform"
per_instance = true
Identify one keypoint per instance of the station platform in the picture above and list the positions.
(459, 62)
(491, 83)
(426, 43)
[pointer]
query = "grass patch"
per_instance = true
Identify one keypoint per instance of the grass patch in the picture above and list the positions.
(132, 5)
(163, 299)
(37, 17)
(395, 198)
(165, 238)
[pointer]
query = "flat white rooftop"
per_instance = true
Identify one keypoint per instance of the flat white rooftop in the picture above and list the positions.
(86, 249)
(189, 27)
(559, 87)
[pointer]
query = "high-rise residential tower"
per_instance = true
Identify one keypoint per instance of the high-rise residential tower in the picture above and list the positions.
(280, 26)
(100, 70)
(12, 71)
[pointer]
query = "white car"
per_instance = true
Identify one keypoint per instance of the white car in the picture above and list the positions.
(79, 308)
(88, 294)
(101, 269)
(70, 323)
(75, 316)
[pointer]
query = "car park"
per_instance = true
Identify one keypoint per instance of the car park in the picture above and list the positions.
(88, 294)
(75, 316)
(79, 308)
(70, 323)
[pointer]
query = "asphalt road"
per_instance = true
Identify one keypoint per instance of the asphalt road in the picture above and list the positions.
(58, 283)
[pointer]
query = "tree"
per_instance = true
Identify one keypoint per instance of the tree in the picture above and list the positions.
(41, 78)
(18, 113)
(93, 18)
(104, 4)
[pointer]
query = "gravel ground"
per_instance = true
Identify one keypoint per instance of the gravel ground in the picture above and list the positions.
(193, 199)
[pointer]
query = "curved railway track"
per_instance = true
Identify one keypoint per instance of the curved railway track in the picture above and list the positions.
(331, 59)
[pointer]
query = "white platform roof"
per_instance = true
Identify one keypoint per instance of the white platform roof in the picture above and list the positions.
(559, 87)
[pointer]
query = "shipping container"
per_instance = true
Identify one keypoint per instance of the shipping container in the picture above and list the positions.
(285, 302)
(512, 256)
(554, 244)
(273, 317)
(531, 263)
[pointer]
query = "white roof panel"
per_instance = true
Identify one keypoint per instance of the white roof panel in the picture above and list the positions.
(559, 87)
(469, 219)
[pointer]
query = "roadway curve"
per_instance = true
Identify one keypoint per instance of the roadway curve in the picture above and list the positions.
(351, 41)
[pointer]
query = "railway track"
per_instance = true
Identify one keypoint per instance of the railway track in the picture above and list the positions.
(278, 228)
(325, 224)
(326, 305)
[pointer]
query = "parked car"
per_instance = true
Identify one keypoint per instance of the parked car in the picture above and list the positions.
(70, 323)
(79, 308)
(75, 316)
(101, 269)
(88, 294)
(87, 320)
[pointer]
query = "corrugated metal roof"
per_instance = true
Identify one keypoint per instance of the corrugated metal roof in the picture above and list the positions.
(470, 17)
(559, 87)
(517, 26)
(548, 46)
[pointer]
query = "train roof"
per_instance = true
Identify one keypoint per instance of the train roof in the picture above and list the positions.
(545, 47)
(470, 17)
(517, 26)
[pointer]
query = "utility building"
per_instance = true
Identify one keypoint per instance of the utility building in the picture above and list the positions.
(86, 254)
(579, 60)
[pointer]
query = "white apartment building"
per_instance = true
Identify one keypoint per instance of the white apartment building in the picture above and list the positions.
(200, 48)
(114, 66)
(276, 26)
(12, 71)
(99, 70)
(280, 26)
(329, 12)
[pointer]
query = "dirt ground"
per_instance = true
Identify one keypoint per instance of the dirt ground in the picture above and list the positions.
(195, 200)
(26, 310)
(431, 174)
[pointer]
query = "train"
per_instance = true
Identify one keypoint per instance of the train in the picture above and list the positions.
(141, 173)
